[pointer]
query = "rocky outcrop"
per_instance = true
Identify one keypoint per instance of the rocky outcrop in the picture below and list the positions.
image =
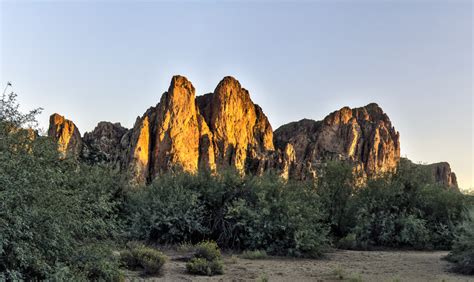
(363, 136)
(225, 129)
(442, 174)
(241, 135)
(65, 133)
(216, 131)
(103, 144)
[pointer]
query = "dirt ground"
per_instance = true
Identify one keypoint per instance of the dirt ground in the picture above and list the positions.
(336, 266)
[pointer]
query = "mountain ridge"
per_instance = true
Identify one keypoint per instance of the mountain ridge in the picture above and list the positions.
(225, 129)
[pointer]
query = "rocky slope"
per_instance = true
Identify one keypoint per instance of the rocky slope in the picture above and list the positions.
(226, 129)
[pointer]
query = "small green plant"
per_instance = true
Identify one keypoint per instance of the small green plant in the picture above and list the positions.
(152, 260)
(203, 266)
(207, 250)
(149, 259)
(206, 260)
(257, 254)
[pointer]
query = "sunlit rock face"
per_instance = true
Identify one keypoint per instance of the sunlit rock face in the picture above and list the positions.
(65, 133)
(242, 137)
(139, 148)
(363, 136)
(177, 136)
(442, 174)
(225, 129)
(103, 144)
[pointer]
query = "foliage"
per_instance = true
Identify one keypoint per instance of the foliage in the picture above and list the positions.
(462, 253)
(257, 254)
(206, 260)
(166, 211)
(336, 185)
(407, 209)
(54, 214)
(203, 266)
(237, 212)
(207, 250)
(140, 256)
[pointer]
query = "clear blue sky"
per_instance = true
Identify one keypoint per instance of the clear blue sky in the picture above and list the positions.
(111, 60)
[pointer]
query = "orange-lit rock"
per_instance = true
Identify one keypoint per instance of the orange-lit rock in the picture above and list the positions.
(65, 133)
(177, 136)
(225, 129)
(363, 136)
(241, 132)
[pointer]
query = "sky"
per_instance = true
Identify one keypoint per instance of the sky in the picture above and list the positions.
(111, 60)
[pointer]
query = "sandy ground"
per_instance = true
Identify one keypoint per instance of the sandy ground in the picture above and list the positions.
(336, 266)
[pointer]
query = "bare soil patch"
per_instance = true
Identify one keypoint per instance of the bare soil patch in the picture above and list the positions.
(336, 266)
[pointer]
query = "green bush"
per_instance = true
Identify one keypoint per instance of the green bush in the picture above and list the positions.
(207, 250)
(462, 254)
(97, 263)
(139, 256)
(282, 218)
(206, 260)
(167, 211)
(203, 266)
(257, 254)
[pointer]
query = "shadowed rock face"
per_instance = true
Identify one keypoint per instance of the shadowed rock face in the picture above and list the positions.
(103, 144)
(65, 133)
(364, 136)
(226, 129)
(442, 174)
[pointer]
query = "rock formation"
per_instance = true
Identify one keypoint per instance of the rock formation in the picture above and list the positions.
(442, 174)
(241, 133)
(225, 129)
(364, 136)
(103, 144)
(65, 133)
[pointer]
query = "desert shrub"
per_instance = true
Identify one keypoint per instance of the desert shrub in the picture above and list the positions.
(257, 254)
(167, 211)
(97, 263)
(462, 253)
(207, 250)
(140, 256)
(206, 260)
(52, 212)
(203, 266)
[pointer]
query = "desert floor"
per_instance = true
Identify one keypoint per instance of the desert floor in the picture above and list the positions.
(338, 265)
